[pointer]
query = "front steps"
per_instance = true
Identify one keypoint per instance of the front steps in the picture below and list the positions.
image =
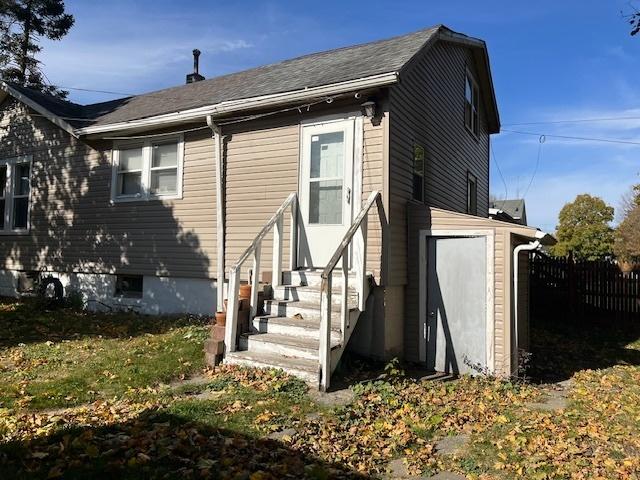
(287, 336)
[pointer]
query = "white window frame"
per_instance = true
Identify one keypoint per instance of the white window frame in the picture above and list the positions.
(145, 178)
(9, 195)
(474, 127)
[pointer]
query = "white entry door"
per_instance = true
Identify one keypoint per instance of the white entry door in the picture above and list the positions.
(326, 190)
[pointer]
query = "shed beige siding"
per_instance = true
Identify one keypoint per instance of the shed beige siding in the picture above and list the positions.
(75, 227)
(420, 218)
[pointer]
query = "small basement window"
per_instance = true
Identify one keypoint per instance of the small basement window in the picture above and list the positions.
(129, 286)
(472, 194)
(418, 173)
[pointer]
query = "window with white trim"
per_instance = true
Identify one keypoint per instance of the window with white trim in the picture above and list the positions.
(15, 191)
(471, 102)
(148, 169)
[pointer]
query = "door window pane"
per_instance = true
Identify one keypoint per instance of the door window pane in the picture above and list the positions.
(130, 159)
(325, 202)
(21, 183)
(165, 155)
(2, 203)
(20, 212)
(164, 181)
(129, 183)
(327, 155)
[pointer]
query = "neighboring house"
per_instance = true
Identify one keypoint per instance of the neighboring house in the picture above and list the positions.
(123, 201)
(513, 211)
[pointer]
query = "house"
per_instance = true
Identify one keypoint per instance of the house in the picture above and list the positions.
(352, 186)
(513, 211)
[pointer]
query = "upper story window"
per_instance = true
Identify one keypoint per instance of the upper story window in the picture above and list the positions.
(148, 169)
(471, 102)
(15, 192)
(418, 173)
(472, 194)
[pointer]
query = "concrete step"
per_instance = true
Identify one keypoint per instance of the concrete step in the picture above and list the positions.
(313, 277)
(287, 345)
(312, 294)
(291, 308)
(302, 368)
(297, 327)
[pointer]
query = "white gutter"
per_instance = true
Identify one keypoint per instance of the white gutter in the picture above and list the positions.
(220, 232)
(516, 252)
(38, 108)
(247, 103)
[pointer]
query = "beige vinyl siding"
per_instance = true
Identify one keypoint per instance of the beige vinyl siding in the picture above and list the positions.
(427, 108)
(372, 179)
(261, 172)
(262, 169)
(74, 225)
(421, 217)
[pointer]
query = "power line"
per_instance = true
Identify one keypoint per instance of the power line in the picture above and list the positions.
(567, 137)
(578, 120)
(495, 160)
(541, 141)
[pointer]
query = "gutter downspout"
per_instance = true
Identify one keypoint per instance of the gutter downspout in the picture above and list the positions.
(220, 231)
(516, 252)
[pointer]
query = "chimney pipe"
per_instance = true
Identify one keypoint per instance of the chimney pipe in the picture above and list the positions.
(195, 76)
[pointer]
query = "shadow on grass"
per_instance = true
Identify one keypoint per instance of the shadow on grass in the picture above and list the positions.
(26, 321)
(562, 348)
(160, 445)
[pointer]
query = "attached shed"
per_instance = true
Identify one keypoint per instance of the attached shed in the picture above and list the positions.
(466, 302)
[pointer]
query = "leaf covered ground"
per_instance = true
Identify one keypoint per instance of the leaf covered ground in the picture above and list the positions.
(123, 396)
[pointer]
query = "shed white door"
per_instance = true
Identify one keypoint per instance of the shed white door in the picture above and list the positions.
(326, 183)
(456, 304)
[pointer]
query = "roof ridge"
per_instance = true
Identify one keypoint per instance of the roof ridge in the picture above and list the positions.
(281, 62)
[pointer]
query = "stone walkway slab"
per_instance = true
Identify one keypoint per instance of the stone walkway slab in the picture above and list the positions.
(452, 445)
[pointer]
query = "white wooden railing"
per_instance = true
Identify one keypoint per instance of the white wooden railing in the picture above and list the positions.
(231, 329)
(359, 249)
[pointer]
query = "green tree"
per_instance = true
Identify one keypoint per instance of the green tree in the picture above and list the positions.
(627, 237)
(584, 229)
(23, 23)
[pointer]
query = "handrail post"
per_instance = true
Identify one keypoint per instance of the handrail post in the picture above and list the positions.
(293, 235)
(325, 334)
(277, 253)
(345, 294)
(231, 328)
(361, 268)
(255, 279)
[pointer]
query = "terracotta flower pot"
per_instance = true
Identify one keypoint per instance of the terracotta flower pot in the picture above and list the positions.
(221, 319)
(245, 292)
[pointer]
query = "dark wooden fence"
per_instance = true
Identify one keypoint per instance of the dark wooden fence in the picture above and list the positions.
(583, 289)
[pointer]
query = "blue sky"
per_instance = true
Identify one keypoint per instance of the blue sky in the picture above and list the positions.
(551, 60)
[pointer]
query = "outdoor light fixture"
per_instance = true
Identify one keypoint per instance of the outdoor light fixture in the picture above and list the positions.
(368, 109)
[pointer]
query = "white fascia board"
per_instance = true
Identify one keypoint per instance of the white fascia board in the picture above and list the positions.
(247, 103)
(38, 108)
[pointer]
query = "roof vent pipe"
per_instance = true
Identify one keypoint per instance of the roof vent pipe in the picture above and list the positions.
(195, 76)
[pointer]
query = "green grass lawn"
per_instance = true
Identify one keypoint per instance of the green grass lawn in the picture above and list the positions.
(64, 358)
(109, 396)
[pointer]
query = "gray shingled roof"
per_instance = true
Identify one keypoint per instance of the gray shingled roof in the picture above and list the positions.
(333, 66)
(513, 208)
